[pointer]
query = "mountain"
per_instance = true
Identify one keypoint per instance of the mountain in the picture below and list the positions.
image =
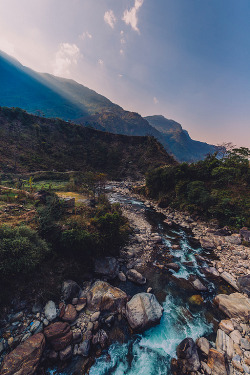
(180, 144)
(30, 143)
(54, 97)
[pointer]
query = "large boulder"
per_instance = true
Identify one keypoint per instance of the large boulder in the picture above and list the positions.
(234, 305)
(70, 290)
(136, 277)
(188, 358)
(243, 283)
(104, 297)
(143, 311)
(59, 335)
(217, 362)
(107, 266)
(25, 358)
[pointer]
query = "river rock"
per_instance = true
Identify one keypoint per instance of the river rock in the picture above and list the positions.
(207, 243)
(100, 338)
(226, 325)
(229, 279)
(70, 290)
(107, 266)
(50, 310)
(122, 277)
(197, 284)
(188, 359)
(70, 314)
(172, 266)
(25, 358)
(83, 348)
(211, 271)
(243, 283)
(234, 305)
(143, 311)
(224, 343)
(236, 336)
(203, 344)
(136, 277)
(59, 335)
(217, 362)
(102, 296)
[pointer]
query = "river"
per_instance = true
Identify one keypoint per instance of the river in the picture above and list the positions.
(184, 316)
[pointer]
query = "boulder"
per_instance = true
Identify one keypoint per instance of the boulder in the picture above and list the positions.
(83, 348)
(211, 271)
(136, 277)
(245, 233)
(188, 359)
(197, 284)
(207, 243)
(243, 283)
(172, 266)
(226, 325)
(122, 277)
(25, 358)
(143, 311)
(100, 338)
(104, 297)
(224, 343)
(59, 335)
(107, 266)
(230, 280)
(50, 311)
(234, 305)
(70, 314)
(203, 344)
(66, 353)
(217, 362)
(70, 290)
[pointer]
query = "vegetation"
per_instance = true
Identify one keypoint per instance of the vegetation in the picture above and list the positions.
(29, 143)
(216, 188)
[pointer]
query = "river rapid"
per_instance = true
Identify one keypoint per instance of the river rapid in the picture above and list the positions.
(150, 353)
(187, 313)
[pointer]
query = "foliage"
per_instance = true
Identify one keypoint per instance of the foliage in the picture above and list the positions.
(214, 188)
(21, 250)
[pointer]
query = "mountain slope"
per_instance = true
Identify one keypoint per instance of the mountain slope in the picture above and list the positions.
(29, 143)
(178, 140)
(55, 97)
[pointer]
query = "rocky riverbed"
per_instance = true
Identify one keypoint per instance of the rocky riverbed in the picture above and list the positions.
(92, 316)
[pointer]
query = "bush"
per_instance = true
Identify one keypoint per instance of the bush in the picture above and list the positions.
(21, 250)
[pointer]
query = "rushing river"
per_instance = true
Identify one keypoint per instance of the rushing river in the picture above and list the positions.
(150, 353)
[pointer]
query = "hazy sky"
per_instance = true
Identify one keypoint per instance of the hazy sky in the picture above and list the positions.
(188, 60)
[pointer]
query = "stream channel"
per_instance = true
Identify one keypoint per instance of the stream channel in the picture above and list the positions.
(150, 353)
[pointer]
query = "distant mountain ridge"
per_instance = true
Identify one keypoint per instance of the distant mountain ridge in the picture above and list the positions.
(179, 142)
(54, 97)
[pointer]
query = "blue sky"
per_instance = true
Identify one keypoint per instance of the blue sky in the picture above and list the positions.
(188, 60)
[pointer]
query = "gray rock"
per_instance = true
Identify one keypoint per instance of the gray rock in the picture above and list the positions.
(136, 277)
(229, 279)
(143, 311)
(172, 266)
(70, 290)
(245, 344)
(102, 296)
(224, 343)
(203, 344)
(100, 338)
(95, 316)
(236, 336)
(243, 283)
(50, 311)
(197, 284)
(107, 266)
(83, 348)
(212, 271)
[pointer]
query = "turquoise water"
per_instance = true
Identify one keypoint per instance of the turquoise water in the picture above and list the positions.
(150, 353)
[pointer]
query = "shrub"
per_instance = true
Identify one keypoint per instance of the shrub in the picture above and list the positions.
(21, 250)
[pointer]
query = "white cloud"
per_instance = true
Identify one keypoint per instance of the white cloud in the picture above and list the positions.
(100, 62)
(130, 15)
(121, 51)
(66, 56)
(123, 41)
(120, 75)
(110, 18)
(85, 35)
(156, 101)
(122, 32)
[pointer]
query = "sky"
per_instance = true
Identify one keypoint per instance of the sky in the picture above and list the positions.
(188, 60)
